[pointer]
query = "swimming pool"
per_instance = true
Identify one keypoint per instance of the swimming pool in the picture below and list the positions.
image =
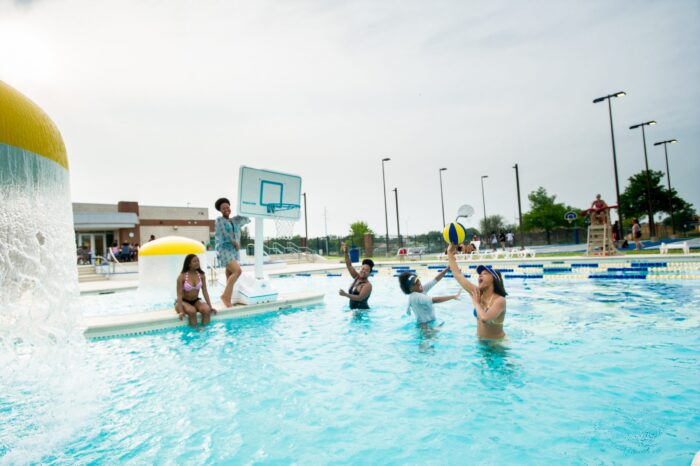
(593, 372)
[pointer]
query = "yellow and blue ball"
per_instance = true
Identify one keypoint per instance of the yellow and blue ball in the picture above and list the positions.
(454, 233)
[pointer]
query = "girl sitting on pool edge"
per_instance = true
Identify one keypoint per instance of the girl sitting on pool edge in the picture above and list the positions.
(418, 301)
(189, 282)
(489, 298)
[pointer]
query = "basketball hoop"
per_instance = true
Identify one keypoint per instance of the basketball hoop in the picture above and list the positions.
(465, 211)
(284, 227)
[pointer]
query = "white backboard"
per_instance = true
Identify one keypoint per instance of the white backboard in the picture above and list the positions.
(268, 194)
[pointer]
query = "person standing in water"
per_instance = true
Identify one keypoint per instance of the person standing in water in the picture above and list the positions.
(488, 297)
(418, 300)
(228, 245)
(361, 288)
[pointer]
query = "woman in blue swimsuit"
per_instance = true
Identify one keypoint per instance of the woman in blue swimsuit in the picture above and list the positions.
(489, 298)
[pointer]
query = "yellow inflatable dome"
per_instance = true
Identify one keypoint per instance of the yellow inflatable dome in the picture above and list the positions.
(171, 245)
(25, 126)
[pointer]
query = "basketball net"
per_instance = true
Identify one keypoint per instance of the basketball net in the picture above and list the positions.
(284, 228)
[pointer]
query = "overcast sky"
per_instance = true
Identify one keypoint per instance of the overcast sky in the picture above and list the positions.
(160, 102)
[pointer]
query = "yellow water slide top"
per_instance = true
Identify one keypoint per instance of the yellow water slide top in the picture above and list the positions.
(23, 124)
(170, 245)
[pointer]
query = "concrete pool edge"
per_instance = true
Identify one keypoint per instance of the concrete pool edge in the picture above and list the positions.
(100, 327)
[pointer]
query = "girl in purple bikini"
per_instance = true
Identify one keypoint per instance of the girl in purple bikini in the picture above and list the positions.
(189, 282)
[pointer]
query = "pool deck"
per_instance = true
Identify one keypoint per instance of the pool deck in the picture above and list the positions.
(98, 327)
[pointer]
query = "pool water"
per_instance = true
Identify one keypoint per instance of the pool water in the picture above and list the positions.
(591, 373)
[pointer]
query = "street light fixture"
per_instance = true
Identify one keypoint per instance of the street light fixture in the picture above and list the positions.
(386, 214)
(442, 199)
(483, 197)
(609, 97)
(398, 228)
(652, 230)
(668, 175)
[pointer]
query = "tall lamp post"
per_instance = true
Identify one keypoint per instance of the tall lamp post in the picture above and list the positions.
(306, 225)
(483, 197)
(386, 214)
(520, 210)
(612, 135)
(398, 228)
(668, 175)
(442, 199)
(652, 230)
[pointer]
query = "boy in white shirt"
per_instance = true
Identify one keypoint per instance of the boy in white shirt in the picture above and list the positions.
(418, 301)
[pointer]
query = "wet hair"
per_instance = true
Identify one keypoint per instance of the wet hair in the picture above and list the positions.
(188, 261)
(219, 201)
(405, 282)
(368, 262)
(498, 286)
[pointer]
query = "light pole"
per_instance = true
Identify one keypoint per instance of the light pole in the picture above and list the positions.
(442, 199)
(612, 135)
(520, 210)
(398, 228)
(386, 214)
(652, 230)
(306, 225)
(483, 197)
(668, 175)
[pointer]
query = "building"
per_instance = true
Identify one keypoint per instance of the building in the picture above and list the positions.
(98, 226)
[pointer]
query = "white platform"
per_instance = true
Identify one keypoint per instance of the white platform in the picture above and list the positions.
(151, 321)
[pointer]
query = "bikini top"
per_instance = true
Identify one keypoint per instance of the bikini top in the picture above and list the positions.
(492, 321)
(187, 286)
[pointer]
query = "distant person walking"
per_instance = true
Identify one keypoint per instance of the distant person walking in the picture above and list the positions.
(228, 245)
(494, 241)
(502, 239)
(510, 239)
(637, 234)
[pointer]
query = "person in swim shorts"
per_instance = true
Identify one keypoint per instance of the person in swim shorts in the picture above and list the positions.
(488, 297)
(190, 281)
(418, 300)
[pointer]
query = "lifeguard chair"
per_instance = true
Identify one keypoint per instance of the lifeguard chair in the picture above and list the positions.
(600, 237)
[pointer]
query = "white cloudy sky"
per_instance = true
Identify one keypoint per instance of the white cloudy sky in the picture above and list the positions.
(161, 101)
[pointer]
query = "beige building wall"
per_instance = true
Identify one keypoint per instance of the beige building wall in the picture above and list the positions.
(86, 208)
(173, 213)
(197, 233)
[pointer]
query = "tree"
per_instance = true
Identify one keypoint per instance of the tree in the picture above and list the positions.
(545, 214)
(635, 205)
(357, 232)
(492, 223)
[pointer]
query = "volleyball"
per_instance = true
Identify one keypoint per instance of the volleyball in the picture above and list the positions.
(454, 233)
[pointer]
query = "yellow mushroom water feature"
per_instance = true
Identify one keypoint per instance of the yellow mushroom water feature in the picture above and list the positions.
(161, 260)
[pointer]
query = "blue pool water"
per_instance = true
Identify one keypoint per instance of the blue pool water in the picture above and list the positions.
(592, 373)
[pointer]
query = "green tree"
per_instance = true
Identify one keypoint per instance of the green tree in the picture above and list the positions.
(492, 223)
(545, 213)
(357, 232)
(635, 205)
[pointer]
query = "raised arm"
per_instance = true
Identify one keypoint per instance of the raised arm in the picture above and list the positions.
(441, 275)
(466, 284)
(348, 264)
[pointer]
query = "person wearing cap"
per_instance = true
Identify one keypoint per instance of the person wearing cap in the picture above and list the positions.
(489, 298)
(361, 288)
(418, 300)
(228, 244)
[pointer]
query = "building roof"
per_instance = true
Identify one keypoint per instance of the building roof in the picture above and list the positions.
(102, 221)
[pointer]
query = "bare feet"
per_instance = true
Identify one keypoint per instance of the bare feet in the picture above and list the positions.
(226, 301)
